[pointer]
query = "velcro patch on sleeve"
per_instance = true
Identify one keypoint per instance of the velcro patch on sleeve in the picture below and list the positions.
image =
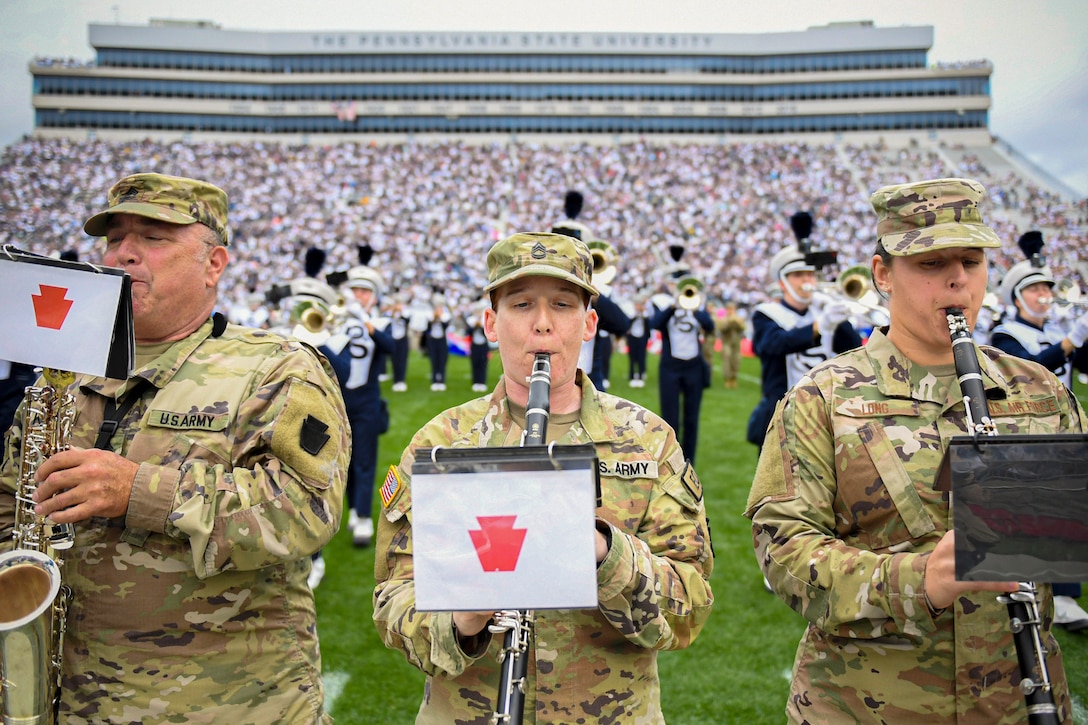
(391, 488)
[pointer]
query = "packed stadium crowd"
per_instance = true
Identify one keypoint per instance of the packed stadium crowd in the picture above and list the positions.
(431, 210)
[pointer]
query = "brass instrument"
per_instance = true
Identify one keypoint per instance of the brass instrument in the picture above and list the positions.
(689, 293)
(856, 281)
(855, 287)
(1067, 294)
(318, 306)
(604, 261)
(32, 622)
(311, 314)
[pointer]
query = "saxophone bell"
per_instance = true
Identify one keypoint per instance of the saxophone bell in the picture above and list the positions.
(32, 588)
(32, 621)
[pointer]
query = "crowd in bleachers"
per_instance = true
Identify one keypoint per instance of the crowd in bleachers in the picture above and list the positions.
(430, 211)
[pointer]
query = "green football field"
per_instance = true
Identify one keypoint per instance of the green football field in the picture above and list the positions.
(736, 671)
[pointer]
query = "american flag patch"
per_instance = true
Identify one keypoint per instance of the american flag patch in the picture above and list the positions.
(391, 487)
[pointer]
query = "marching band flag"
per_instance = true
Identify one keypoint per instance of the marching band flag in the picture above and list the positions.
(486, 541)
(66, 315)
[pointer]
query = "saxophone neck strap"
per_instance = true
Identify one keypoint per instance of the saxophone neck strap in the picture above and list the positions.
(116, 412)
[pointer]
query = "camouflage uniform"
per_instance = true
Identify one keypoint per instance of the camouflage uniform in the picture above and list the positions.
(595, 666)
(844, 513)
(195, 604)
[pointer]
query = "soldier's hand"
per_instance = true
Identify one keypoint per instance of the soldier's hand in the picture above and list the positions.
(941, 585)
(78, 484)
(469, 624)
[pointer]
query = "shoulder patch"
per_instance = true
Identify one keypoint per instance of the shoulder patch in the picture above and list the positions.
(313, 437)
(391, 487)
(692, 483)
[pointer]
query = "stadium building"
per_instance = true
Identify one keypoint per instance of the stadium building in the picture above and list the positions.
(195, 78)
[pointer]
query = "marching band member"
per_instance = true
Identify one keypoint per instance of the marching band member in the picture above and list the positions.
(479, 347)
(792, 334)
(399, 325)
(434, 341)
(683, 371)
(638, 337)
(611, 319)
(1028, 288)
(367, 344)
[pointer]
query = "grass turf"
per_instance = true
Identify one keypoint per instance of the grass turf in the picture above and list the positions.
(738, 669)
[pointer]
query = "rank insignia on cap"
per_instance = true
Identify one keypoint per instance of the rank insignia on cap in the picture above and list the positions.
(391, 487)
(313, 437)
(539, 251)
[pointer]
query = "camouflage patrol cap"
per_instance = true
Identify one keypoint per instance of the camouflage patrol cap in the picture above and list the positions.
(540, 253)
(935, 214)
(173, 199)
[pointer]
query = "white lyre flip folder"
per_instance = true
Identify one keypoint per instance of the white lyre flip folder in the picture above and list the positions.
(505, 528)
(70, 316)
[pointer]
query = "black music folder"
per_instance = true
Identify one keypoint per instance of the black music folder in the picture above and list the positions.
(1019, 506)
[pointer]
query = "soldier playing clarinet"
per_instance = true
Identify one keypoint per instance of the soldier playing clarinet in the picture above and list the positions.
(848, 528)
(652, 540)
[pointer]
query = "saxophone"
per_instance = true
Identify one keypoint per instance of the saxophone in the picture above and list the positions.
(1023, 604)
(36, 601)
(517, 626)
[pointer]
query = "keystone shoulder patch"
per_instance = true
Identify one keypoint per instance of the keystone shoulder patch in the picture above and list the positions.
(313, 436)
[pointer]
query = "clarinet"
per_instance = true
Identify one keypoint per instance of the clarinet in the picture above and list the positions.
(517, 626)
(1023, 604)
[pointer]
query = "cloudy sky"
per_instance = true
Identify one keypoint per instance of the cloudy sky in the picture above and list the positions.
(1039, 49)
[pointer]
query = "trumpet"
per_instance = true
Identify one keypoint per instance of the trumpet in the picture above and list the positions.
(856, 281)
(312, 315)
(604, 261)
(1067, 294)
(689, 293)
(855, 287)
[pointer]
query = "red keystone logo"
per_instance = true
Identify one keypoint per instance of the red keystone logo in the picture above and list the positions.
(50, 307)
(497, 542)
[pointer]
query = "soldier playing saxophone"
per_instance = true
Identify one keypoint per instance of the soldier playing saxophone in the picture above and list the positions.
(197, 489)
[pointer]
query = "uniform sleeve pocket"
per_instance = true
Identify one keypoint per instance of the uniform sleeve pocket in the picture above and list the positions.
(889, 511)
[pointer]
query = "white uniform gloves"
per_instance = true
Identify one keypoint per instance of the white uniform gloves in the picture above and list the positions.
(831, 315)
(1078, 335)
